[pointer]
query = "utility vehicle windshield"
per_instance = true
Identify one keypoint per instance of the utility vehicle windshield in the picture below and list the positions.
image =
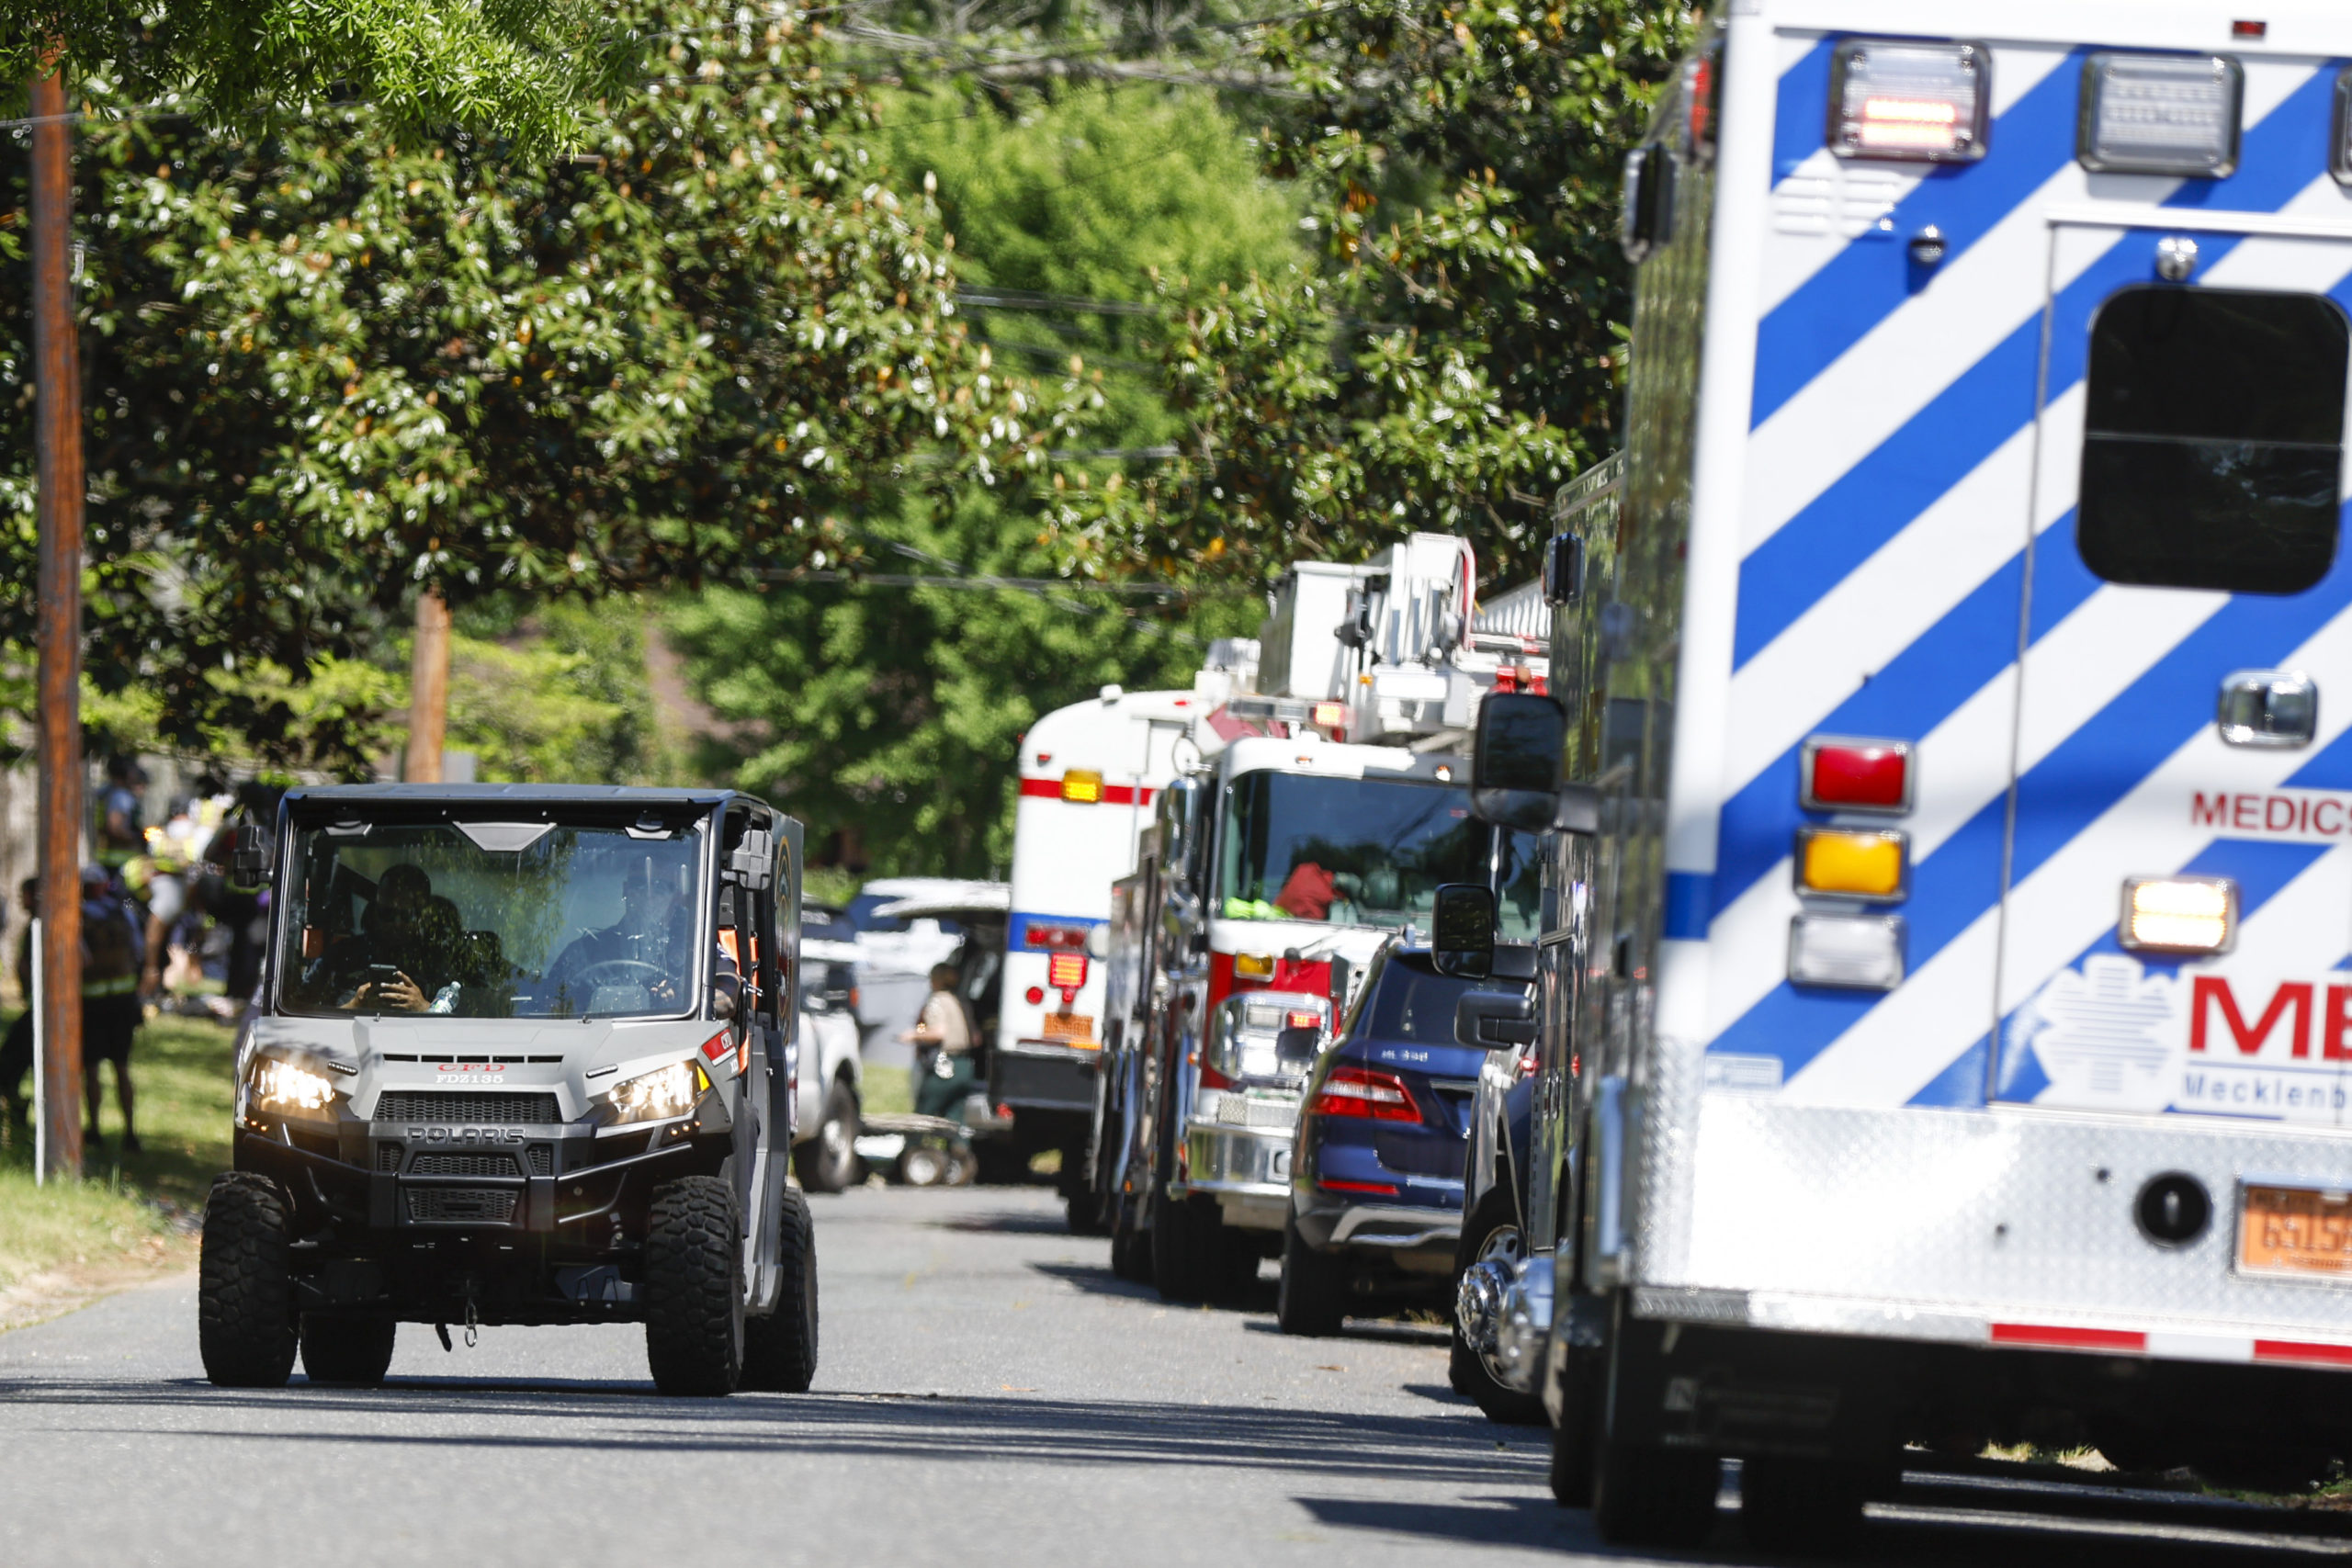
(479, 920)
(1363, 851)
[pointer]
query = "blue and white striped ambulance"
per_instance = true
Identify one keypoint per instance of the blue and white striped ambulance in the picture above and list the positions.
(1954, 1004)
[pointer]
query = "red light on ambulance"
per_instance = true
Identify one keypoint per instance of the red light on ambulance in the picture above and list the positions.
(1066, 971)
(1842, 775)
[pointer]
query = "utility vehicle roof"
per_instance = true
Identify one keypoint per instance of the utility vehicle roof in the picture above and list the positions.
(596, 795)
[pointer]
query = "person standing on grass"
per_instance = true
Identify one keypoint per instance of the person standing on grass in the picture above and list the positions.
(112, 947)
(16, 1051)
(942, 1035)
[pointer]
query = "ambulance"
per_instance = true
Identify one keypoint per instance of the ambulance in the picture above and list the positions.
(1090, 774)
(1948, 989)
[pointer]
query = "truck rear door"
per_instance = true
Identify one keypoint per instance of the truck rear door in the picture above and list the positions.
(2176, 917)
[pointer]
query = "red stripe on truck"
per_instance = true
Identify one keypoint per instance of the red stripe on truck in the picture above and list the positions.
(1113, 794)
(2052, 1336)
(2308, 1355)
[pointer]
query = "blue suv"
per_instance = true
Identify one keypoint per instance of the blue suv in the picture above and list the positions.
(1375, 1208)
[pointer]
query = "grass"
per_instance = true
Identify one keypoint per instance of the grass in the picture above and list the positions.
(890, 1091)
(182, 1069)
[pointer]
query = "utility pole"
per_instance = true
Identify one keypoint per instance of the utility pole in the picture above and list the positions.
(428, 689)
(57, 434)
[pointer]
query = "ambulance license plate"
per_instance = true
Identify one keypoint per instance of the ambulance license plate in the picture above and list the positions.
(1070, 1028)
(2300, 1231)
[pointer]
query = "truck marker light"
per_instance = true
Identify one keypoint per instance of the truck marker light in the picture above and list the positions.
(2160, 114)
(1377, 1188)
(1329, 716)
(1846, 953)
(1363, 1093)
(1082, 787)
(1253, 967)
(1851, 863)
(1066, 971)
(2178, 914)
(1907, 100)
(1835, 773)
(1034, 996)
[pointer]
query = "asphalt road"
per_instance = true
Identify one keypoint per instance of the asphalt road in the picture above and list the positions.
(989, 1395)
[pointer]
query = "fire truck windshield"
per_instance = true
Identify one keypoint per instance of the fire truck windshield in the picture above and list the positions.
(1363, 851)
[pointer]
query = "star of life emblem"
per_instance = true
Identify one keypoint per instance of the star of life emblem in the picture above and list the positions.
(2103, 1034)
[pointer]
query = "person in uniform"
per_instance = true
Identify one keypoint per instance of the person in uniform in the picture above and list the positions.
(942, 1037)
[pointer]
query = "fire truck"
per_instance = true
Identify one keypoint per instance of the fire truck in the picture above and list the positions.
(1942, 997)
(1322, 806)
(1090, 774)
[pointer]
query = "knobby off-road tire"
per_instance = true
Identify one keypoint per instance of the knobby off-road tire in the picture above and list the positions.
(780, 1349)
(827, 1162)
(693, 1288)
(1493, 1226)
(1313, 1298)
(352, 1352)
(1646, 1497)
(244, 1295)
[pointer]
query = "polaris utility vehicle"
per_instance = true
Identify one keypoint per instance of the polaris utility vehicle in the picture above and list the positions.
(1376, 1166)
(1946, 983)
(524, 1054)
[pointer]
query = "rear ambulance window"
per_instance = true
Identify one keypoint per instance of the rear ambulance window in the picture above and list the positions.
(2213, 446)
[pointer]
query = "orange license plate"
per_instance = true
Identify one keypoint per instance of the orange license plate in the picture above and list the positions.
(2300, 1231)
(1070, 1028)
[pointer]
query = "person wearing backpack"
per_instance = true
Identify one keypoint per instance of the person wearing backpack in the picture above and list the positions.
(112, 950)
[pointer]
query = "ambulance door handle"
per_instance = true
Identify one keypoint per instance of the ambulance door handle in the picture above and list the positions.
(2273, 709)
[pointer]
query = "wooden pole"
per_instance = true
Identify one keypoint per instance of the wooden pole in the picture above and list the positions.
(428, 689)
(58, 441)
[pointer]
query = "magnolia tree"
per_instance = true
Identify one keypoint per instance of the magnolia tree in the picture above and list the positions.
(330, 365)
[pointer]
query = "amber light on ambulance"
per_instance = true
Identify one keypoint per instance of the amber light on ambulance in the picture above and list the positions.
(2179, 914)
(1850, 864)
(1082, 787)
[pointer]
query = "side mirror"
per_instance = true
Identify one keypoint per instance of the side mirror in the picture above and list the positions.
(1462, 928)
(1495, 1021)
(249, 856)
(752, 858)
(1563, 570)
(1515, 760)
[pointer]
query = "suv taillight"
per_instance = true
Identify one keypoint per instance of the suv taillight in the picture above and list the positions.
(1359, 1091)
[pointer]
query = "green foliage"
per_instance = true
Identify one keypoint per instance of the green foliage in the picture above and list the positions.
(523, 70)
(889, 716)
(326, 366)
(1459, 350)
(560, 698)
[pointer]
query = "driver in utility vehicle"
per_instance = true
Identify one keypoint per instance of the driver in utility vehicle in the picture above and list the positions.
(387, 955)
(651, 945)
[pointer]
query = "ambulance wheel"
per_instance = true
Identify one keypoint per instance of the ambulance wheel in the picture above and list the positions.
(1313, 1299)
(1801, 1505)
(780, 1349)
(245, 1293)
(1576, 1439)
(693, 1288)
(353, 1352)
(827, 1162)
(1492, 1236)
(1646, 1497)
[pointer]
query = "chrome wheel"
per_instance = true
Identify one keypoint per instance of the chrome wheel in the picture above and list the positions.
(1506, 1249)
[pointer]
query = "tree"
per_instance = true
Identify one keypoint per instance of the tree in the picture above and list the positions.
(327, 367)
(890, 714)
(1459, 350)
(523, 70)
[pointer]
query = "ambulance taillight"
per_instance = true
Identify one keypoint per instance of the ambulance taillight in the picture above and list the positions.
(1839, 774)
(1909, 100)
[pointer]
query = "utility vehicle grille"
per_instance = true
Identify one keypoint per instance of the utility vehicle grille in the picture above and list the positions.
(463, 1165)
(479, 1110)
(462, 1205)
(542, 1158)
(388, 1157)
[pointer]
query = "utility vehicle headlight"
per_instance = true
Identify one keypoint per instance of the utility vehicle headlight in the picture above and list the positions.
(282, 1086)
(659, 1095)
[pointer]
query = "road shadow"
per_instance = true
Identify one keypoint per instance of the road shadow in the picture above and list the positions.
(1097, 1281)
(1385, 1331)
(1337, 1450)
(1011, 1221)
